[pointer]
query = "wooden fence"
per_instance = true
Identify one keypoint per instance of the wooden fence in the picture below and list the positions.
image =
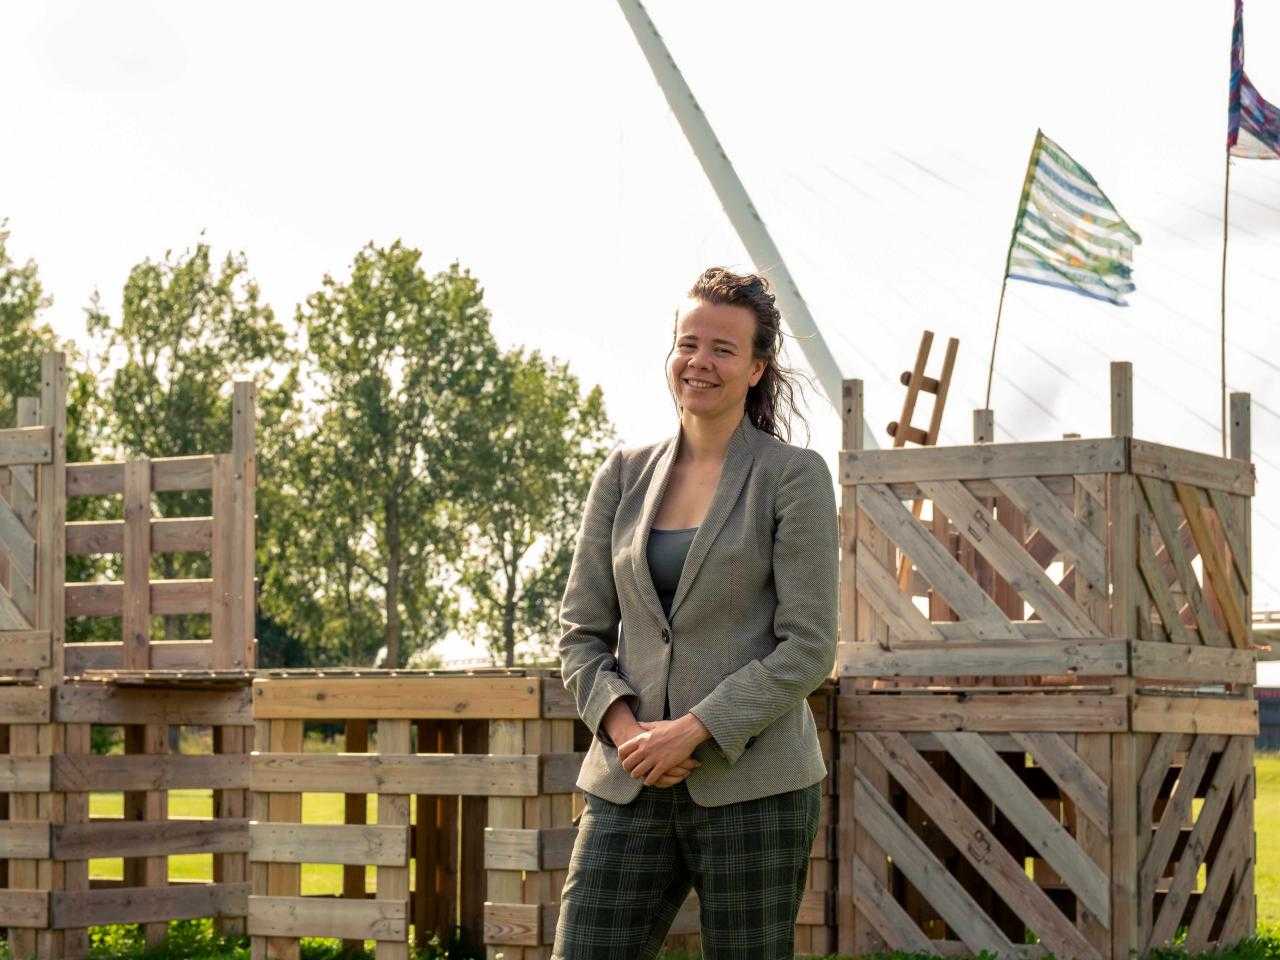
(1047, 735)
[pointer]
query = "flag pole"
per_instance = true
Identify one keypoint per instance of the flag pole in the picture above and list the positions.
(1017, 222)
(1222, 345)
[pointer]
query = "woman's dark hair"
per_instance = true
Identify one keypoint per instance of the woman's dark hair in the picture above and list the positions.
(771, 402)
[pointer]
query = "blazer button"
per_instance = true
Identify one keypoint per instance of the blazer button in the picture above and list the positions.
(666, 635)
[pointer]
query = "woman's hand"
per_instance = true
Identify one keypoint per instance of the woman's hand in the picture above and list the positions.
(663, 746)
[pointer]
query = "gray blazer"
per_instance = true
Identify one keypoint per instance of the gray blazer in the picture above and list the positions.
(752, 630)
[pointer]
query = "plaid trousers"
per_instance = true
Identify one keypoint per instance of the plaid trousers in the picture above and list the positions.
(633, 865)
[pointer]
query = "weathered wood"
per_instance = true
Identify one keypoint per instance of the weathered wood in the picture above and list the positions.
(143, 772)
(132, 838)
(167, 474)
(283, 879)
(17, 543)
(168, 535)
(26, 445)
(507, 737)
(28, 909)
(892, 922)
(402, 698)
(1175, 464)
(513, 924)
(24, 704)
(1044, 509)
(148, 905)
(165, 655)
(877, 585)
(1157, 714)
(988, 659)
(167, 598)
(25, 649)
(984, 461)
(24, 840)
(242, 607)
(1214, 572)
(1085, 788)
(107, 703)
(136, 591)
(462, 774)
(293, 917)
(1176, 812)
(1193, 664)
(394, 739)
(24, 774)
(329, 843)
(1024, 811)
(1158, 587)
(1055, 712)
(547, 848)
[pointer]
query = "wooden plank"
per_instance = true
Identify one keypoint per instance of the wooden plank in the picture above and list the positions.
(143, 772)
(110, 704)
(24, 840)
(241, 545)
(1094, 750)
(283, 879)
(987, 659)
(165, 655)
(926, 873)
(1227, 779)
(25, 649)
(1157, 714)
(1174, 464)
(1228, 509)
(1074, 778)
(546, 848)
(1158, 586)
(26, 445)
(891, 921)
(24, 774)
(1154, 772)
(937, 565)
(168, 535)
(1006, 555)
(386, 846)
(507, 737)
(167, 598)
(459, 775)
(877, 585)
(16, 540)
(1056, 521)
(1161, 503)
(1176, 812)
(513, 925)
(397, 698)
(1033, 821)
(11, 615)
(1211, 559)
(984, 461)
(136, 593)
(974, 840)
(134, 838)
(27, 909)
(143, 905)
(229, 746)
(394, 739)
(327, 917)
(24, 704)
(167, 473)
(994, 713)
(1233, 860)
(1169, 661)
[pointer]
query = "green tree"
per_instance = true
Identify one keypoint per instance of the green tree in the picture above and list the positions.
(188, 327)
(543, 444)
(397, 364)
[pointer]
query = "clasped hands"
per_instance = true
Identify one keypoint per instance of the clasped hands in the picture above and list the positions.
(659, 752)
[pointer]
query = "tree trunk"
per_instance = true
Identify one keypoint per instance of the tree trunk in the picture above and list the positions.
(393, 582)
(509, 618)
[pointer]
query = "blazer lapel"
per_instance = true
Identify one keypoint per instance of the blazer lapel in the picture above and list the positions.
(733, 474)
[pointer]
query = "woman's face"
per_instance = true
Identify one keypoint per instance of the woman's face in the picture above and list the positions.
(711, 367)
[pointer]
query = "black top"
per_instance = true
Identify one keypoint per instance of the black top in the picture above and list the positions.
(666, 554)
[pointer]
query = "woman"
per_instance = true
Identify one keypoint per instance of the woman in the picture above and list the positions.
(699, 615)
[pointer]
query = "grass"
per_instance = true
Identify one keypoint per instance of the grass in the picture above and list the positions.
(194, 940)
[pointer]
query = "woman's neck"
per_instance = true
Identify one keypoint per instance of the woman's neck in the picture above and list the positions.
(704, 440)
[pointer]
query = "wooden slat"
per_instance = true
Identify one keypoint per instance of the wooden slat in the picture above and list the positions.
(1006, 555)
(110, 704)
(228, 585)
(143, 905)
(514, 925)
(1211, 560)
(892, 922)
(24, 840)
(1158, 587)
(1054, 519)
(1161, 503)
(168, 535)
(167, 598)
(394, 739)
(984, 712)
(926, 873)
(1187, 466)
(1237, 537)
(133, 838)
(24, 774)
(327, 917)
(398, 698)
(1233, 859)
(987, 659)
(242, 608)
(974, 840)
(987, 621)
(1073, 776)
(167, 473)
(165, 655)
(16, 540)
(548, 848)
(26, 909)
(1171, 661)
(24, 649)
(1176, 812)
(1157, 714)
(136, 591)
(11, 615)
(984, 461)
(24, 704)
(1024, 811)
(283, 879)
(877, 585)
(24, 445)
(459, 775)
(381, 845)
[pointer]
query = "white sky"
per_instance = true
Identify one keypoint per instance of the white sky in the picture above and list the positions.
(884, 145)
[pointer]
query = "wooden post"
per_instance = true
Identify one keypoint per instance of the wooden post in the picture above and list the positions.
(435, 842)
(984, 426)
(393, 810)
(241, 567)
(505, 886)
(1242, 449)
(355, 810)
(475, 812)
(136, 618)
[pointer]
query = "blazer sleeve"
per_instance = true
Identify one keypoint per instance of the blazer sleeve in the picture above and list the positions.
(806, 578)
(589, 613)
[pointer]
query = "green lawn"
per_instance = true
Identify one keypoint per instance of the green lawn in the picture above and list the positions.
(1267, 826)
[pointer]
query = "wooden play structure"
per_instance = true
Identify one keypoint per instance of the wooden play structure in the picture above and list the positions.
(1039, 729)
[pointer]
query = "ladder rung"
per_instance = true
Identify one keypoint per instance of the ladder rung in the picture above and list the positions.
(927, 384)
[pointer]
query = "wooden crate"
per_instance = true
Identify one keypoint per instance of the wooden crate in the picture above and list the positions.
(1027, 726)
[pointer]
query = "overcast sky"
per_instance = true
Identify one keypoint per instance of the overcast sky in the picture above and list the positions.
(883, 144)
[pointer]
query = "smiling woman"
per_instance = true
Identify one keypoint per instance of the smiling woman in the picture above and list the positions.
(699, 615)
